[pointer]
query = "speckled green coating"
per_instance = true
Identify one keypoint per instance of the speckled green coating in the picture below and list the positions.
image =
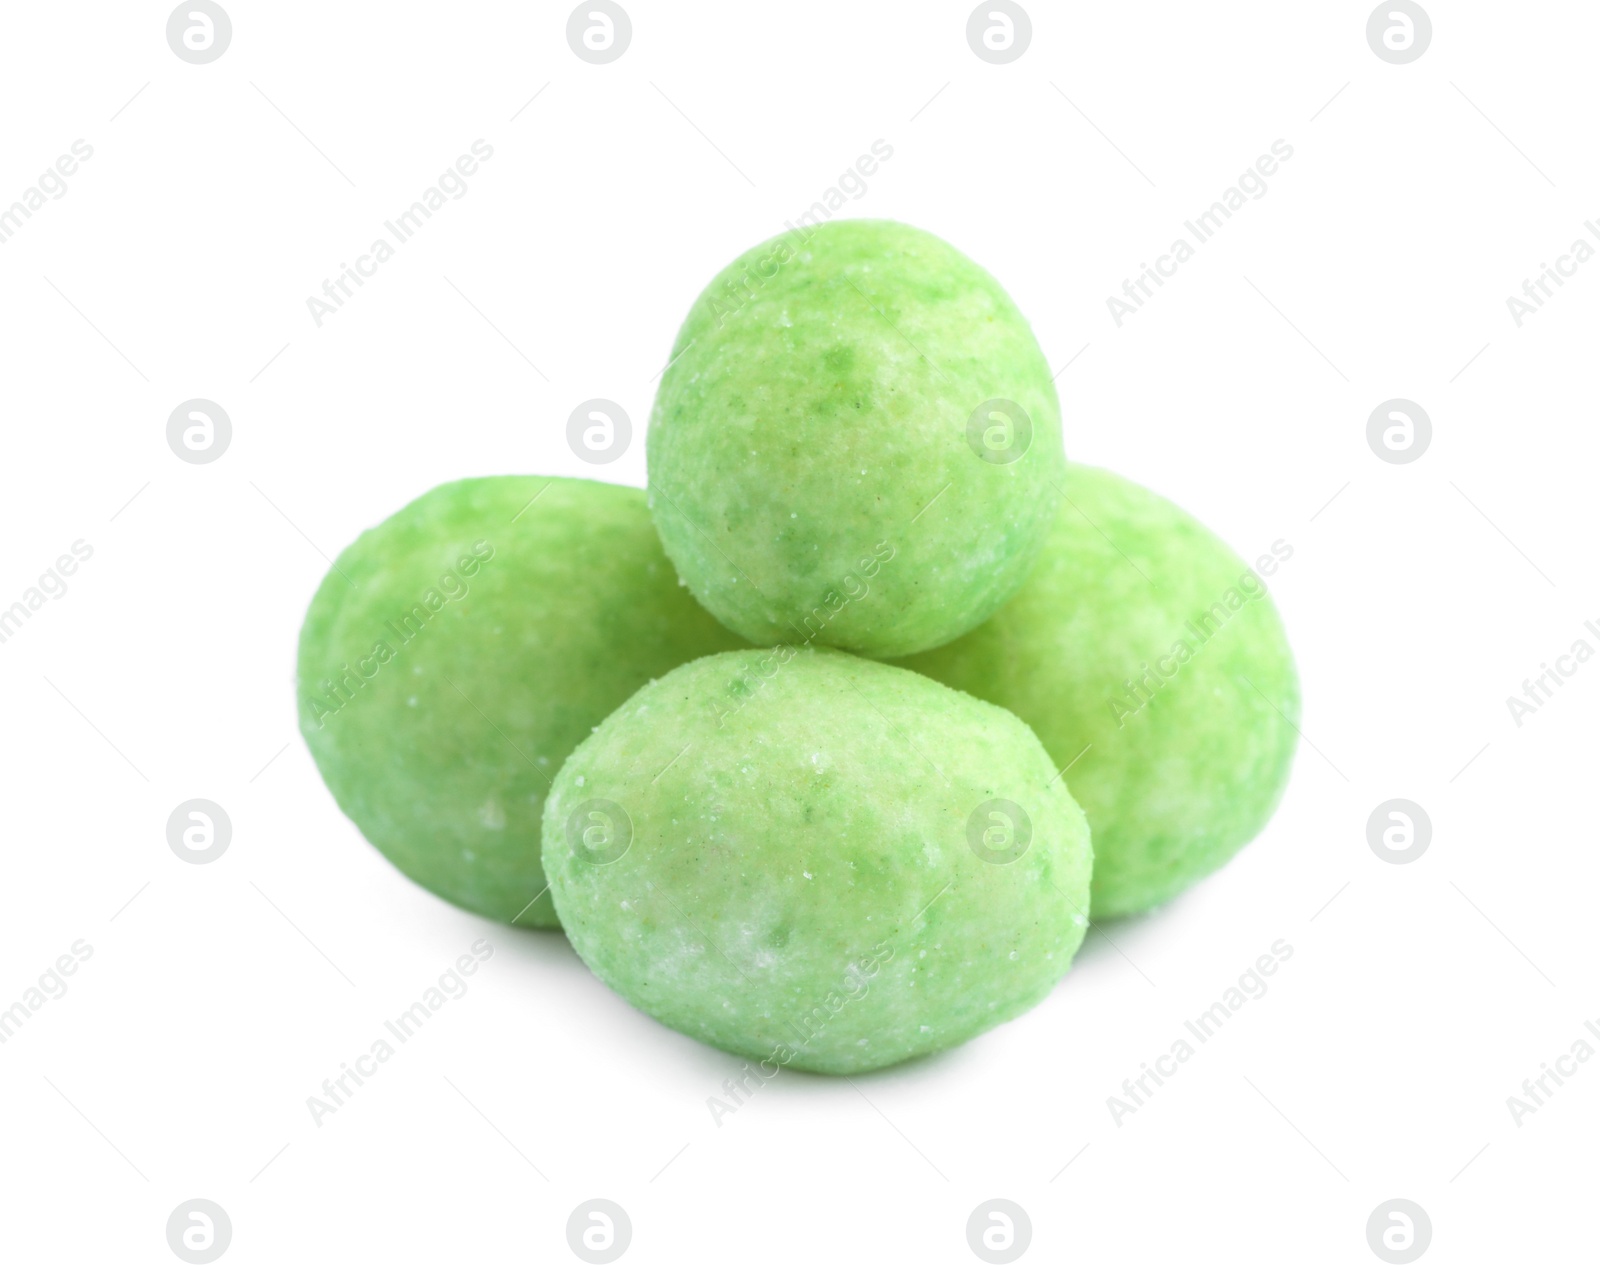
(810, 466)
(1175, 785)
(800, 887)
(460, 650)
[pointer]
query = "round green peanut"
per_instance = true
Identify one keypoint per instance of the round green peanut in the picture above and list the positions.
(457, 653)
(1149, 658)
(817, 861)
(854, 442)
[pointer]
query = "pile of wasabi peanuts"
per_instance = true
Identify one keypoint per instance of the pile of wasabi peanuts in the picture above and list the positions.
(826, 748)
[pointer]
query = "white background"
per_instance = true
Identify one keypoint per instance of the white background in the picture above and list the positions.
(1419, 596)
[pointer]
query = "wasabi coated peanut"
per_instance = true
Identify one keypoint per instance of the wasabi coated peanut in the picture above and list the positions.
(457, 653)
(817, 861)
(1147, 655)
(858, 396)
